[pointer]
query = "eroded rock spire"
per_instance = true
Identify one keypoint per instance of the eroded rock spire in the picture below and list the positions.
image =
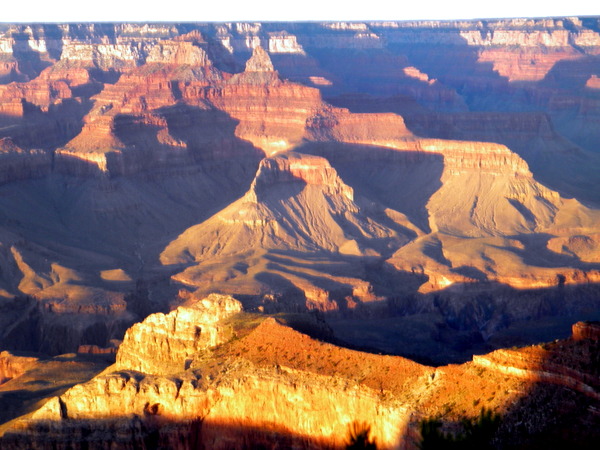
(260, 61)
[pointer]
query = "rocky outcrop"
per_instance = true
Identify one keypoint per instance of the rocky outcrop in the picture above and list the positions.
(273, 385)
(287, 401)
(12, 366)
(593, 82)
(42, 93)
(586, 330)
(165, 343)
(535, 371)
(262, 406)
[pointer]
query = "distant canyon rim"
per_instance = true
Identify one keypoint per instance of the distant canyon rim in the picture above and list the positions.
(174, 197)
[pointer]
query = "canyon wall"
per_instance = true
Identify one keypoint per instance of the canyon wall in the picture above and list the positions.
(329, 166)
(262, 385)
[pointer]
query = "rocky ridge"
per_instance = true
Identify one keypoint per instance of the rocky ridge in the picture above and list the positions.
(266, 388)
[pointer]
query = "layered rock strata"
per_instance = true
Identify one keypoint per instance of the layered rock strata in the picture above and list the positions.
(117, 138)
(167, 343)
(267, 387)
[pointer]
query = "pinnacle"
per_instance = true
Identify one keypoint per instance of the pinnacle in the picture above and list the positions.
(260, 61)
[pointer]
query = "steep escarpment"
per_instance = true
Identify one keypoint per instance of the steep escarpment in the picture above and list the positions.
(273, 385)
(242, 393)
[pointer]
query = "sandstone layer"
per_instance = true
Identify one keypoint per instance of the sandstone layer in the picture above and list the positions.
(273, 385)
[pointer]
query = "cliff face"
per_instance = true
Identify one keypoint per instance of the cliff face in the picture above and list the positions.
(568, 363)
(241, 393)
(165, 343)
(12, 366)
(273, 385)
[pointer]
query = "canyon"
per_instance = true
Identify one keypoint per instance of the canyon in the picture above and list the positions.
(180, 202)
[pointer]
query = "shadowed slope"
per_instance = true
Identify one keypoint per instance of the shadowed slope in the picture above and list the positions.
(296, 202)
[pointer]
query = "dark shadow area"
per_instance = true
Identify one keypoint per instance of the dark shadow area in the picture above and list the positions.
(29, 61)
(571, 75)
(555, 406)
(560, 407)
(384, 279)
(208, 133)
(151, 431)
(105, 76)
(434, 249)
(47, 130)
(293, 297)
(16, 403)
(375, 65)
(40, 330)
(536, 253)
(400, 180)
(223, 59)
(550, 416)
(44, 379)
(52, 32)
(273, 194)
(403, 105)
(452, 325)
(335, 289)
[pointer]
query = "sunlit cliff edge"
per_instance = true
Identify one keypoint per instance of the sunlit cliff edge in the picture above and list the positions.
(225, 379)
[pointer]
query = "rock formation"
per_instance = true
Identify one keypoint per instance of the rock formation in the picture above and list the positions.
(272, 384)
(438, 173)
(12, 366)
(166, 343)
